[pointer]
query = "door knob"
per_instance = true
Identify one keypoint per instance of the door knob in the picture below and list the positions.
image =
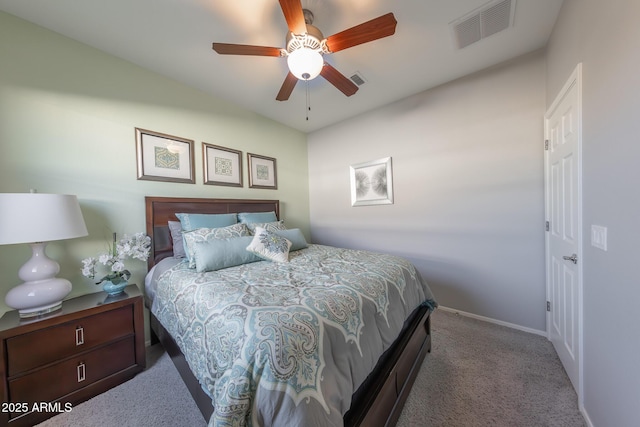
(573, 258)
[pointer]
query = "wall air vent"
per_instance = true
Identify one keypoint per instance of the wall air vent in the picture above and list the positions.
(358, 79)
(483, 22)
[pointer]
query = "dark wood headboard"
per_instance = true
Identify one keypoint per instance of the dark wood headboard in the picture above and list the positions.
(160, 210)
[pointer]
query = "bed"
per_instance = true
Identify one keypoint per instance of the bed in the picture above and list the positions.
(313, 348)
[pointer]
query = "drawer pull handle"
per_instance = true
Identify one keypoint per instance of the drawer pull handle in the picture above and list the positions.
(81, 370)
(79, 335)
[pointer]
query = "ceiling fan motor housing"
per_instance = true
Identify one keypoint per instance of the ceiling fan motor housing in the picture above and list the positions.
(311, 40)
(305, 53)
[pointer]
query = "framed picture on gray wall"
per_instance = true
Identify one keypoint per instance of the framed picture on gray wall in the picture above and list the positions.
(162, 157)
(371, 183)
(222, 166)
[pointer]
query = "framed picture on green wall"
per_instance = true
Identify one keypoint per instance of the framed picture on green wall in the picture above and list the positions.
(163, 157)
(222, 166)
(262, 172)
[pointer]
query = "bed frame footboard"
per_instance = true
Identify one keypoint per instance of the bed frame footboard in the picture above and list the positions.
(380, 399)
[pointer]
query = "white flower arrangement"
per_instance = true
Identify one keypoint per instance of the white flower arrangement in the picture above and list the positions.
(137, 246)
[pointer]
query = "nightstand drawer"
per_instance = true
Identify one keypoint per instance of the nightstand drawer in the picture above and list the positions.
(55, 381)
(35, 349)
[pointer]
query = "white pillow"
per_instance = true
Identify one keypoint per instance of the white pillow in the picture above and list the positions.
(268, 245)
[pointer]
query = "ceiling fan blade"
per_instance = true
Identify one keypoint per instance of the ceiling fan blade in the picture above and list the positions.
(292, 10)
(287, 87)
(337, 79)
(245, 49)
(382, 26)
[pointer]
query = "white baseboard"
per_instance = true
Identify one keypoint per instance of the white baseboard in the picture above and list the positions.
(497, 322)
(586, 416)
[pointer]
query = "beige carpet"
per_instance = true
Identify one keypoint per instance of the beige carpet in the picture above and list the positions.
(481, 374)
(478, 374)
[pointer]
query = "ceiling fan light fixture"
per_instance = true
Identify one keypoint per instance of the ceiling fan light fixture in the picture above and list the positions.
(306, 45)
(305, 63)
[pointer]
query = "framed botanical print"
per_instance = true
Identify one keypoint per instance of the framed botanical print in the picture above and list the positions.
(262, 172)
(222, 166)
(162, 157)
(371, 183)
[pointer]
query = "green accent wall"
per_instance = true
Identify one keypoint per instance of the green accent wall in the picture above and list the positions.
(68, 114)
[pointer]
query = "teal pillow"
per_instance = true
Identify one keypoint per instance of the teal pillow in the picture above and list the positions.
(194, 221)
(209, 234)
(269, 246)
(222, 253)
(247, 217)
(295, 236)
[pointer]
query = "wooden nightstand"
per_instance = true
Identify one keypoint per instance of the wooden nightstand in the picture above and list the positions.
(50, 364)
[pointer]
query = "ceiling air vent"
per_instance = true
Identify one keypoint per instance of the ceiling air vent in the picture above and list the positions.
(358, 79)
(483, 22)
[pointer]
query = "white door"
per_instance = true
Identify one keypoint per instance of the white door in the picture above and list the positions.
(563, 197)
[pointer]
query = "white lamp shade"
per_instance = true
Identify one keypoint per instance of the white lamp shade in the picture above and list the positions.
(36, 217)
(305, 63)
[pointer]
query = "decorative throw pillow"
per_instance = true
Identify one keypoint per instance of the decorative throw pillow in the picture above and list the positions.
(194, 221)
(269, 226)
(175, 230)
(268, 245)
(251, 217)
(222, 253)
(208, 234)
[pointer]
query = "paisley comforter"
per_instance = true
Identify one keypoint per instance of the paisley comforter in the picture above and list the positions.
(287, 344)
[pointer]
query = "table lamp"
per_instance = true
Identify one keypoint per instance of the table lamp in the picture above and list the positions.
(37, 219)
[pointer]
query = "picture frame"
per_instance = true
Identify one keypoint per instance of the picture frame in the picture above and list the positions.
(372, 183)
(222, 166)
(162, 157)
(262, 172)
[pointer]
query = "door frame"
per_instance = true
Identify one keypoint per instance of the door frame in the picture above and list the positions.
(574, 79)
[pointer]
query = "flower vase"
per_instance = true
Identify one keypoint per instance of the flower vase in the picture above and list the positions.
(114, 289)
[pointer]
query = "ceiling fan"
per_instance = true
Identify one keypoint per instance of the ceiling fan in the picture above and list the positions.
(306, 45)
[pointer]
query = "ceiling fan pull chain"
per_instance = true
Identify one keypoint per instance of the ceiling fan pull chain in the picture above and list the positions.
(308, 99)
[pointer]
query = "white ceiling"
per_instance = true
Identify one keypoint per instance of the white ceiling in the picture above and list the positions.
(173, 38)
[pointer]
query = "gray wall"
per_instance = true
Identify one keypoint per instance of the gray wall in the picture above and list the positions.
(605, 37)
(468, 186)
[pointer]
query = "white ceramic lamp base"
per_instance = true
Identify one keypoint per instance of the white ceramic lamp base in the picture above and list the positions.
(37, 298)
(42, 292)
